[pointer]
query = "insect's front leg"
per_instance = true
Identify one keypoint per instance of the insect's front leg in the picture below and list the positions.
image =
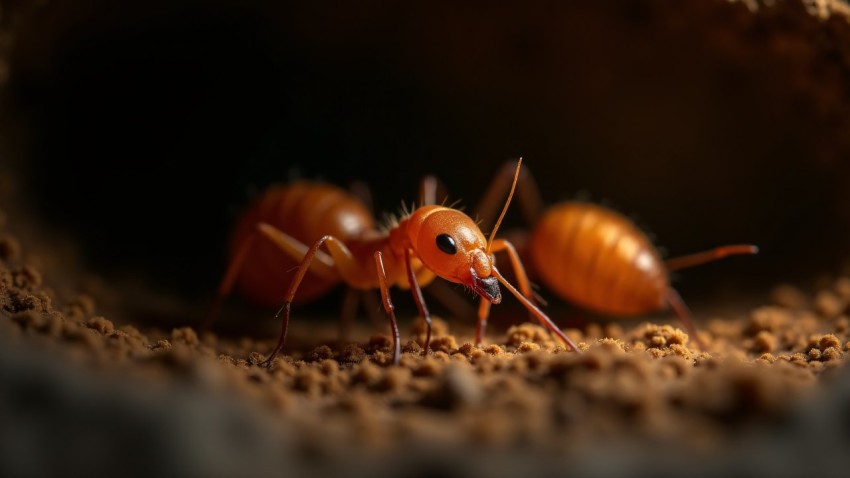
(526, 296)
(710, 255)
(516, 264)
(286, 244)
(522, 279)
(684, 314)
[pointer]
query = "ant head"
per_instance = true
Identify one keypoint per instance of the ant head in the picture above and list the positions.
(451, 245)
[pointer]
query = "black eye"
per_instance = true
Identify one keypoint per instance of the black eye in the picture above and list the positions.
(446, 244)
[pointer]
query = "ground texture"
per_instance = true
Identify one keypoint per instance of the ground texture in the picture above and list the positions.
(81, 383)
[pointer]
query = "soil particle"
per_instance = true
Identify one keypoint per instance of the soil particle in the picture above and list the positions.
(828, 304)
(100, 324)
(79, 307)
(790, 297)
(527, 333)
(185, 335)
(26, 277)
(764, 341)
(456, 387)
(351, 354)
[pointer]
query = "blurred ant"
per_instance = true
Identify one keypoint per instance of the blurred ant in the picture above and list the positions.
(596, 257)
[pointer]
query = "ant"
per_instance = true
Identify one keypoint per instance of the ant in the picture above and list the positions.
(258, 267)
(428, 242)
(596, 257)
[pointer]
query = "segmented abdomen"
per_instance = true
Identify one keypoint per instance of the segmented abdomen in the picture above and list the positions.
(305, 211)
(598, 259)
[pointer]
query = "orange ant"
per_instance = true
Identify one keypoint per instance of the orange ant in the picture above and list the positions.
(427, 242)
(258, 267)
(598, 258)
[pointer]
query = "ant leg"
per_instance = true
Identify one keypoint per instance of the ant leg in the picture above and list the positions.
(543, 318)
(525, 286)
(528, 194)
(227, 281)
(363, 192)
(343, 261)
(675, 300)
(703, 257)
(450, 299)
(420, 301)
(388, 305)
(431, 191)
(286, 243)
(481, 326)
(516, 264)
(350, 303)
(684, 314)
(373, 307)
(323, 267)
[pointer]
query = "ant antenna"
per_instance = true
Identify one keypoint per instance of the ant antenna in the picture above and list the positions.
(504, 209)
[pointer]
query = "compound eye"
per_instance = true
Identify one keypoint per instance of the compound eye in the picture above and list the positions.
(446, 244)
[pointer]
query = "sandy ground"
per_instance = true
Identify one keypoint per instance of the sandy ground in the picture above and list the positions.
(88, 391)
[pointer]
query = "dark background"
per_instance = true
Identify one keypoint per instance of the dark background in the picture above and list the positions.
(141, 130)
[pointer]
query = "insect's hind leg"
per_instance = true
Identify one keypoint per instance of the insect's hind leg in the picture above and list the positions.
(285, 243)
(227, 281)
(456, 304)
(710, 255)
(684, 314)
(351, 302)
(343, 261)
(324, 266)
(527, 192)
